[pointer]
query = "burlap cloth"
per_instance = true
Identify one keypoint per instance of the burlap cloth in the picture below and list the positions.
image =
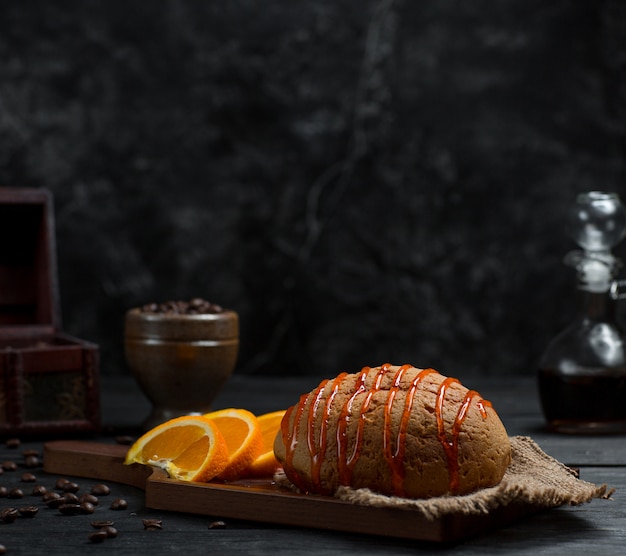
(533, 477)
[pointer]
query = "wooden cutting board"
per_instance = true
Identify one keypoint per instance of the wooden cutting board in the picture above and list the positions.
(264, 501)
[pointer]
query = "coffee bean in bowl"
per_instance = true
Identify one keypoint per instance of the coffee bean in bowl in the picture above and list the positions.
(196, 306)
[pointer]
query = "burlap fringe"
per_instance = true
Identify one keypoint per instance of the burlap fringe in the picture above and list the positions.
(533, 478)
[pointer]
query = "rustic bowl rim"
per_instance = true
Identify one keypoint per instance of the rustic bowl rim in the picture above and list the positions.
(146, 315)
(181, 327)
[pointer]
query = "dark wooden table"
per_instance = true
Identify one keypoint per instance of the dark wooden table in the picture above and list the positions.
(595, 528)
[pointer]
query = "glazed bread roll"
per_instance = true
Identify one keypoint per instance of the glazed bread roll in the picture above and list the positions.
(396, 430)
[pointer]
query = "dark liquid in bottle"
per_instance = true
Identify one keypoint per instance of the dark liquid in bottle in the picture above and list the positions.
(584, 403)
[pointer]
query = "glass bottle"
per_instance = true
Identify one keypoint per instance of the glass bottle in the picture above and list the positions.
(582, 373)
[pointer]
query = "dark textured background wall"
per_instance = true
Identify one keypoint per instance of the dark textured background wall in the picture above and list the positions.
(363, 180)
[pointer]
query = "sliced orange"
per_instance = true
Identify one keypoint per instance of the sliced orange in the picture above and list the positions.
(266, 463)
(240, 428)
(189, 448)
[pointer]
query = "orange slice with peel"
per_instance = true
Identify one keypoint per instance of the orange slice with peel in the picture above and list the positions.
(242, 433)
(266, 464)
(189, 448)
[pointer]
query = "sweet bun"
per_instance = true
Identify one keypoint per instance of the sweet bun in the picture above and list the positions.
(399, 431)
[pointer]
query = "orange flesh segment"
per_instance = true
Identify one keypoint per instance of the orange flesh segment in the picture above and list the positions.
(193, 456)
(233, 431)
(242, 433)
(171, 442)
(189, 448)
(266, 463)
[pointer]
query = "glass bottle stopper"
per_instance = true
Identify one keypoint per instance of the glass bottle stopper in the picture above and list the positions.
(597, 223)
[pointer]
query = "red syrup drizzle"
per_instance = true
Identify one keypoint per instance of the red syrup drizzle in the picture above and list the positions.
(395, 458)
(347, 462)
(342, 424)
(289, 434)
(451, 446)
(318, 451)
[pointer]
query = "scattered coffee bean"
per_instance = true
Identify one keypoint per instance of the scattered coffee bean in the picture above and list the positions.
(101, 524)
(3, 549)
(98, 536)
(70, 498)
(1, 471)
(110, 531)
(119, 504)
(15, 493)
(69, 509)
(152, 524)
(12, 443)
(70, 487)
(54, 503)
(51, 495)
(31, 462)
(100, 490)
(89, 498)
(87, 508)
(40, 490)
(60, 482)
(9, 515)
(29, 511)
(3, 491)
(9, 465)
(217, 525)
(28, 453)
(28, 477)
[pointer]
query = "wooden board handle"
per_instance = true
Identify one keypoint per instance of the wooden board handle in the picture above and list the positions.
(93, 460)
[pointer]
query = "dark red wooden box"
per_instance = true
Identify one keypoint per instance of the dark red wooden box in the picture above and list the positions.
(48, 379)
